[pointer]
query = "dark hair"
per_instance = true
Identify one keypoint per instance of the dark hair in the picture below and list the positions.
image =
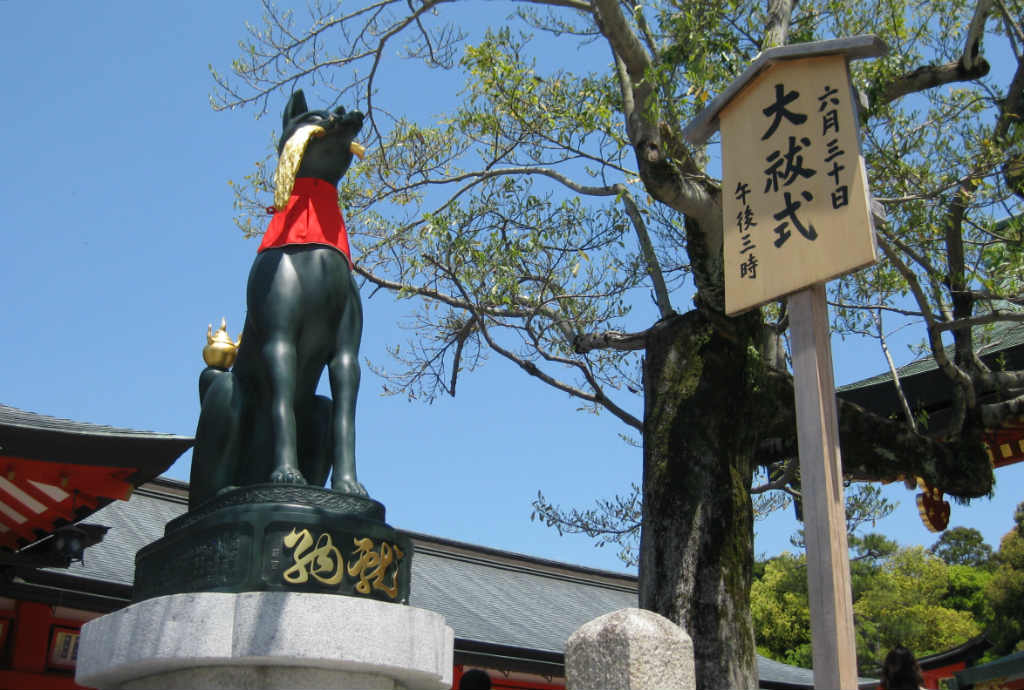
(475, 679)
(900, 670)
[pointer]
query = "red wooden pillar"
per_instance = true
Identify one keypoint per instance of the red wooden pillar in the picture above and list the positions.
(31, 636)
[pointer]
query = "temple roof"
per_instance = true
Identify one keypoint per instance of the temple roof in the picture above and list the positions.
(924, 385)
(55, 472)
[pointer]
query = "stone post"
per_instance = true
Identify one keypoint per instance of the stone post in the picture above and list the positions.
(631, 649)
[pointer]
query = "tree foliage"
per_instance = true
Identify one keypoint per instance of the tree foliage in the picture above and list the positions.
(906, 603)
(781, 614)
(1006, 590)
(536, 206)
(552, 214)
(907, 596)
(962, 546)
(865, 504)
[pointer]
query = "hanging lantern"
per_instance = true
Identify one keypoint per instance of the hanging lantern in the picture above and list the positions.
(934, 510)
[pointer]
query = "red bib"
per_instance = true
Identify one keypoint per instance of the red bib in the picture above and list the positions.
(312, 216)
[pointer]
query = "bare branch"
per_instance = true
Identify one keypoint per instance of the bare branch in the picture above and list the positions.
(609, 340)
(871, 307)
(676, 182)
(1013, 28)
(981, 319)
(457, 357)
(532, 369)
(480, 175)
(975, 32)
(930, 76)
(571, 4)
(966, 399)
(904, 405)
(919, 258)
(994, 415)
(647, 251)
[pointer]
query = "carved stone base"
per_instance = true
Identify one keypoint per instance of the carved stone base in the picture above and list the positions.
(276, 537)
(265, 640)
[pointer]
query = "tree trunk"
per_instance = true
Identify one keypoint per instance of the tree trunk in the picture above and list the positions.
(701, 418)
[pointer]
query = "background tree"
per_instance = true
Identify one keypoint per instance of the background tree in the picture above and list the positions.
(907, 603)
(1006, 591)
(962, 546)
(901, 596)
(780, 610)
(778, 598)
(534, 215)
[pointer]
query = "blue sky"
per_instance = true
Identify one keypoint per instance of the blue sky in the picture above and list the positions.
(121, 249)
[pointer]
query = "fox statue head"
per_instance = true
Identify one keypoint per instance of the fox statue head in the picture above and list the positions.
(314, 143)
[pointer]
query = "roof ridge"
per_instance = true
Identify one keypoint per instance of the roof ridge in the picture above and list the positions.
(14, 417)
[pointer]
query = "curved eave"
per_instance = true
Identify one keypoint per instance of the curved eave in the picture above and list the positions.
(40, 437)
(56, 471)
(924, 385)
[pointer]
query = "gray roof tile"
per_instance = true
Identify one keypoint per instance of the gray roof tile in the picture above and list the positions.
(15, 418)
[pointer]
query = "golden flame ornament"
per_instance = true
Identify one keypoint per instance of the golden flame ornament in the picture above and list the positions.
(220, 351)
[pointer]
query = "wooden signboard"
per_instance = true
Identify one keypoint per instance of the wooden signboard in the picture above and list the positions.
(794, 191)
(796, 213)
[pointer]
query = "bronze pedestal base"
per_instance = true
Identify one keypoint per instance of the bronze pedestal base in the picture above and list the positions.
(279, 537)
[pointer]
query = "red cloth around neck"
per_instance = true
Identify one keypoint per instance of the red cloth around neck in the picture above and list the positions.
(312, 216)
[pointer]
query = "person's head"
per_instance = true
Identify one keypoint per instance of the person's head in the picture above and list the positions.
(475, 679)
(900, 670)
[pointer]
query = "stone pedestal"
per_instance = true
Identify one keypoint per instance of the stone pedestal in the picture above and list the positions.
(265, 640)
(629, 649)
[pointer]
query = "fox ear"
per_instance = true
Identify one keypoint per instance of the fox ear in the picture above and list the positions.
(296, 106)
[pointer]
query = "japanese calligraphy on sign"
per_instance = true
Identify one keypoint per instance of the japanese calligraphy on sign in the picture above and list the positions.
(795, 200)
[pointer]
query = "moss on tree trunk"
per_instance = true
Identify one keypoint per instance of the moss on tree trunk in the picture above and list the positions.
(700, 434)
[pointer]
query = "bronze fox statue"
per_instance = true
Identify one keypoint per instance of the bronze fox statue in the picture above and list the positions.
(262, 420)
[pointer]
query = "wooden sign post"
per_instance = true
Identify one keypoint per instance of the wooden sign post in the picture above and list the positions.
(833, 647)
(796, 213)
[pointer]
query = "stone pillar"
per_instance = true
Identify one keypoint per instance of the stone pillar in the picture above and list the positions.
(631, 649)
(265, 640)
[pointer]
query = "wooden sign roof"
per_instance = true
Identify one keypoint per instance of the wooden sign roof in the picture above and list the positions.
(706, 123)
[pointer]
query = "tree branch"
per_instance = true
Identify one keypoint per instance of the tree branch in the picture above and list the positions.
(955, 374)
(678, 183)
(993, 415)
(904, 405)
(971, 57)
(877, 449)
(930, 76)
(647, 251)
(780, 14)
(989, 317)
(609, 340)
